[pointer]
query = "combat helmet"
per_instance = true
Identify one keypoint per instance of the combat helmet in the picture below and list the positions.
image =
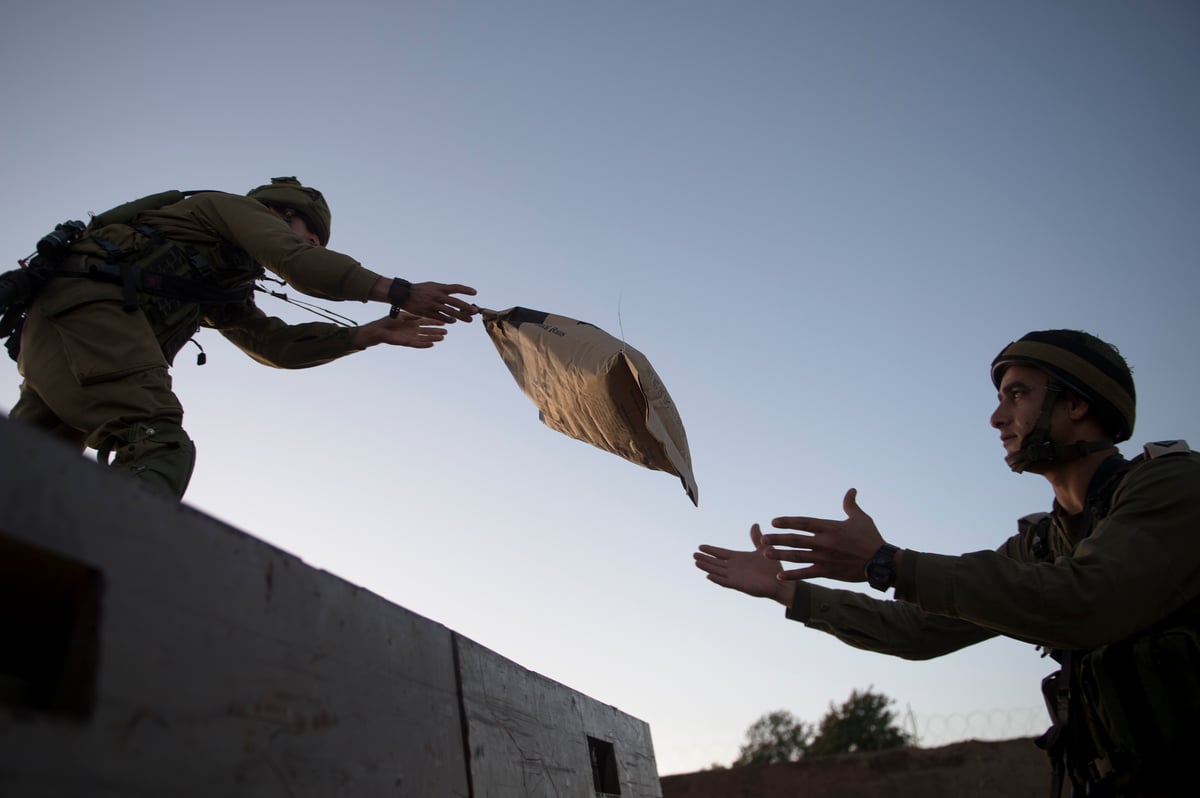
(1081, 363)
(288, 192)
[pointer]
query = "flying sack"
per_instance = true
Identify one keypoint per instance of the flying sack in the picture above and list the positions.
(593, 387)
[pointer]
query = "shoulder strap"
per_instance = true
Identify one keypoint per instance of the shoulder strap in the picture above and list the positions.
(127, 212)
(1161, 448)
(1039, 526)
(1113, 471)
(1104, 484)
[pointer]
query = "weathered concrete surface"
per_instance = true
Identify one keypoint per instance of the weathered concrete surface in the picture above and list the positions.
(530, 736)
(148, 649)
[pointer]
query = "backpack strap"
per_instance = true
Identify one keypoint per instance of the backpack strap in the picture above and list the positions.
(1105, 482)
(1039, 525)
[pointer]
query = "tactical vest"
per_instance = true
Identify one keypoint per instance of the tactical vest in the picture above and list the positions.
(1126, 711)
(176, 284)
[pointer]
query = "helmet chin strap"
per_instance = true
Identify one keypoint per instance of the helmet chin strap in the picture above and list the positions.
(1036, 447)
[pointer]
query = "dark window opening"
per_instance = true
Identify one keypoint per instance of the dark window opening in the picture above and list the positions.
(49, 631)
(604, 767)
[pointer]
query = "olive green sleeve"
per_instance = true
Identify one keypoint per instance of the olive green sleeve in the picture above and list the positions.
(250, 226)
(887, 627)
(273, 342)
(1140, 566)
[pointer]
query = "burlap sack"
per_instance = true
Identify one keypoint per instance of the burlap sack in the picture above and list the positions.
(594, 388)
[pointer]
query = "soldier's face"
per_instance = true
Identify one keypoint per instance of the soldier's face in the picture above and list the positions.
(1022, 391)
(300, 228)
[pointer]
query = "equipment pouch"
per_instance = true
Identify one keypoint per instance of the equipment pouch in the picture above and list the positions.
(1141, 702)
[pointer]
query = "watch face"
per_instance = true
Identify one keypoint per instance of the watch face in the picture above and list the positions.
(880, 573)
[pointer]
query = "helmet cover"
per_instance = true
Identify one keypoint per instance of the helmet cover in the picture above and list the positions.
(288, 192)
(1084, 364)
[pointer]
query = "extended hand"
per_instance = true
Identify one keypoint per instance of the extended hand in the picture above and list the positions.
(833, 549)
(404, 330)
(437, 301)
(748, 571)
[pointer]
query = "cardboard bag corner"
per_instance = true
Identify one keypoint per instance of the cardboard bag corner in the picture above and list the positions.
(590, 386)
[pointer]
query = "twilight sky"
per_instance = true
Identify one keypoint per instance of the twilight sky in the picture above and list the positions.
(819, 221)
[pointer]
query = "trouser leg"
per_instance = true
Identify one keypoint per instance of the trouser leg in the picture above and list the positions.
(100, 370)
(156, 451)
(31, 409)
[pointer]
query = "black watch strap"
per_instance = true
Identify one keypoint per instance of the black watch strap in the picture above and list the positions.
(881, 568)
(398, 293)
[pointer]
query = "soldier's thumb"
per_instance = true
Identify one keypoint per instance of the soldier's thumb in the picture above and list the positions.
(850, 502)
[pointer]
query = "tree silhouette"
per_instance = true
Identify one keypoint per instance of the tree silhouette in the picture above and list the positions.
(775, 737)
(863, 723)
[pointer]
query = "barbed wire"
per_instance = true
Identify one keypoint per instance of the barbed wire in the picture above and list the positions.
(930, 731)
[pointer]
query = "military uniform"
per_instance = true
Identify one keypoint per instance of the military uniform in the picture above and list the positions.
(1138, 569)
(95, 364)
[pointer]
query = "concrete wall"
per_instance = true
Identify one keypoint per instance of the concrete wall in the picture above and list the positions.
(147, 649)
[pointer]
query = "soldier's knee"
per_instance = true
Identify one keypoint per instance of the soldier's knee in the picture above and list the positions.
(157, 451)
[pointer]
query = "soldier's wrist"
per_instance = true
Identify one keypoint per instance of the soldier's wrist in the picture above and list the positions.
(398, 293)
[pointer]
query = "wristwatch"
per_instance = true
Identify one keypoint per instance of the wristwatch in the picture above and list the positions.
(398, 293)
(881, 571)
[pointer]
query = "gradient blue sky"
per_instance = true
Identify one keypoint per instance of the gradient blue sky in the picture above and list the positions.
(819, 221)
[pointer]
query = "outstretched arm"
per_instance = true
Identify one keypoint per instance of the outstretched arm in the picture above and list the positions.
(274, 342)
(889, 627)
(831, 549)
(404, 330)
(429, 300)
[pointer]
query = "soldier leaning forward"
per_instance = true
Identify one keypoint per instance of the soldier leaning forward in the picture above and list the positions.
(98, 337)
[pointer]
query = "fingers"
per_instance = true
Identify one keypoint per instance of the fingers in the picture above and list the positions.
(756, 537)
(850, 503)
(429, 338)
(455, 308)
(437, 301)
(713, 566)
(413, 332)
(461, 312)
(790, 541)
(416, 325)
(798, 574)
(803, 523)
(406, 320)
(822, 547)
(445, 314)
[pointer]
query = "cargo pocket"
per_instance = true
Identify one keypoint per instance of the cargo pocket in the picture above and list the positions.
(102, 341)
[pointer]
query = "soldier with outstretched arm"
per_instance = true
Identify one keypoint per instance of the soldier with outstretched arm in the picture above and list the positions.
(1108, 582)
(100, 327)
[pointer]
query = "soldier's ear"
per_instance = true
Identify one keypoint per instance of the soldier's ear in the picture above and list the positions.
(1077, 406)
